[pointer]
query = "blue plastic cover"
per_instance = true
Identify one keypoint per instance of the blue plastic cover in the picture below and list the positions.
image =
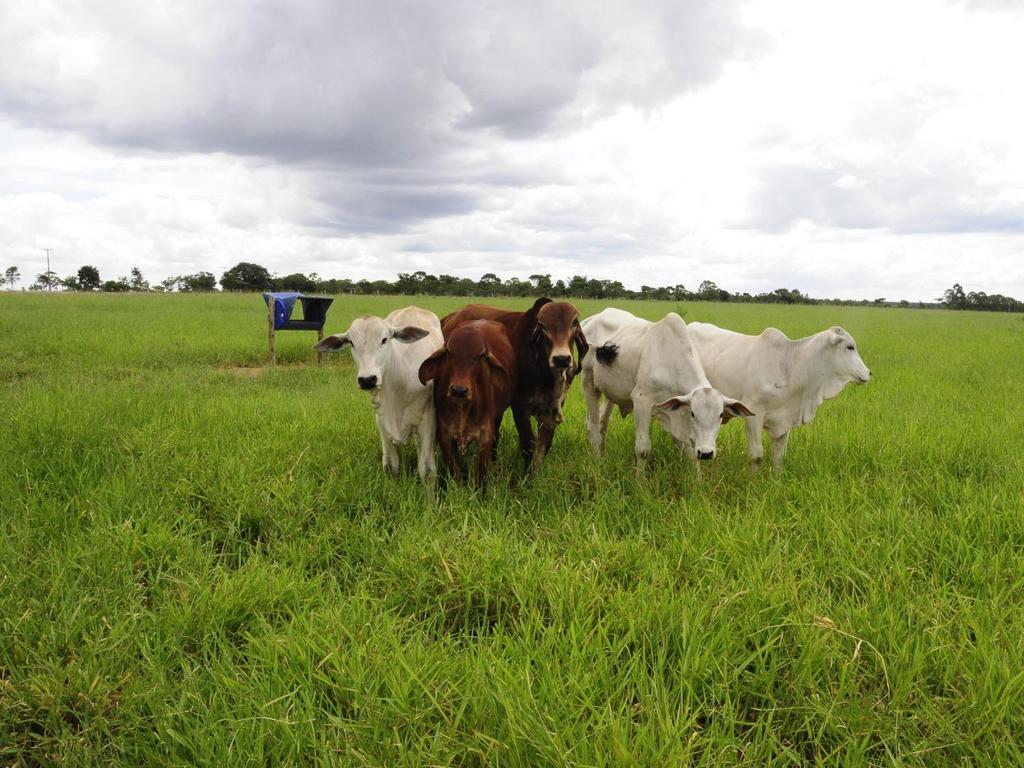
(284, 303)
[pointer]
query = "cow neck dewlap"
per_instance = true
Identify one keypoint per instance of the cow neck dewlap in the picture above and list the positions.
(813, 383)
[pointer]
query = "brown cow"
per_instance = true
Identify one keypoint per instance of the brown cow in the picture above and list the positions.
(474, 376)
(541, 337)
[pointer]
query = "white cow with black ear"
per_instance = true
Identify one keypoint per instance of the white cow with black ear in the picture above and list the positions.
(783, 380)
(388, 353)
(652, 370)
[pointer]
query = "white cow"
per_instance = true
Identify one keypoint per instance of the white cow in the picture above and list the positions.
(653, 370)
(783, 380)
(389, 371)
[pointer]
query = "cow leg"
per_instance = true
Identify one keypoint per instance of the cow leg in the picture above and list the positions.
(494, 440)
(525, 430)
(485, 448)
(545, 435)
(426, 441)
(779, 451)
(593, 398)
(389, 455)
(755, 446)
(642, 411)
(606, 416)
(450, 453)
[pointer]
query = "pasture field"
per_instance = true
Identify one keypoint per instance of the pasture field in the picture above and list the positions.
(201, 562)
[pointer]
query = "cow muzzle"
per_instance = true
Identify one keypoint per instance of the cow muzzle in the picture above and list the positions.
(561, 361)
(367, 382)
(458, 391)
(705, 455)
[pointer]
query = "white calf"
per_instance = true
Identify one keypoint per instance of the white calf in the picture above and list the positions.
(652, 370)
(783, 380)
(389, 371)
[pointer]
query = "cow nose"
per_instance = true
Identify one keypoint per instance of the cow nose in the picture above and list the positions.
(705, 455)
(366, 382)
(458, 391)
(561, 361)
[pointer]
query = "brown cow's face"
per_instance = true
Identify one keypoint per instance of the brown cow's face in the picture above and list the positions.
(558, 325)
(466, 361)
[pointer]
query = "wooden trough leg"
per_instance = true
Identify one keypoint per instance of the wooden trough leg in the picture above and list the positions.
(319, 338)
(270, 332)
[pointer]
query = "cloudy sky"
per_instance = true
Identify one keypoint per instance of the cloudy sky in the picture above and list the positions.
(858, 150)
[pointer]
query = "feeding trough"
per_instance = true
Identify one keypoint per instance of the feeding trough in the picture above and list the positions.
(280, 311)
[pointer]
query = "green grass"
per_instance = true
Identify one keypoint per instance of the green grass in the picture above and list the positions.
(201, 562)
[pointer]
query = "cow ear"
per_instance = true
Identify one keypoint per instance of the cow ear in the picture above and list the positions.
(431, 367)
(736, 408)
(839, 336)
(531, 313)
(334, 343)
(408, 334)
(581, 348)
(674, 403)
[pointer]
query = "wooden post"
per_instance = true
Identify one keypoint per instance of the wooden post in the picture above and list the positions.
(270, 331)
(319, 338)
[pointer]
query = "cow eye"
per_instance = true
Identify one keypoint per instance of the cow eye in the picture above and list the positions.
(722, 415)
(693, 415)
(850, 347)
(384, 340)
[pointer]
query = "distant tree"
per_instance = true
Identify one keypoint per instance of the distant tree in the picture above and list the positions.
(169, 283)
(70, 283)
(246, 276)
(136, 281)
(11, 276)
(46, 281)
(516, 287)
(708, 290)
(955, 298)
(464, 286)
(577, 286)
(197, 283)
(490, 284)
(295, 282)
(335, 286)
(559, 289)
(115, 286)
(880, 300)
(541, 284)
(410, 283)
(88, 278)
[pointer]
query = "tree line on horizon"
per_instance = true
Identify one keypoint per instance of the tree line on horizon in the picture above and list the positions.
(249, 277)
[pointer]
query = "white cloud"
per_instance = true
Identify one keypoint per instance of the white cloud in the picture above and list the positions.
(852, 150)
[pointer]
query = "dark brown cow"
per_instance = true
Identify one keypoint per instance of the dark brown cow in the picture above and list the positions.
(542, 337)
(474, 376)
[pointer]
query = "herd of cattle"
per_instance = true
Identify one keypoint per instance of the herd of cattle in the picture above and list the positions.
(448, 382)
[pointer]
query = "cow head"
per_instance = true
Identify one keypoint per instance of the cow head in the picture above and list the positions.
(462, 365)
(695, 419)
(372, 340)
(556, 329)
(842, 362)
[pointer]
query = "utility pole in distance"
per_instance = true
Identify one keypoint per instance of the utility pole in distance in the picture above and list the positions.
(49, 281)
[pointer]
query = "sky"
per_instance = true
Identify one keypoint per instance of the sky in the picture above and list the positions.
(851, 150)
